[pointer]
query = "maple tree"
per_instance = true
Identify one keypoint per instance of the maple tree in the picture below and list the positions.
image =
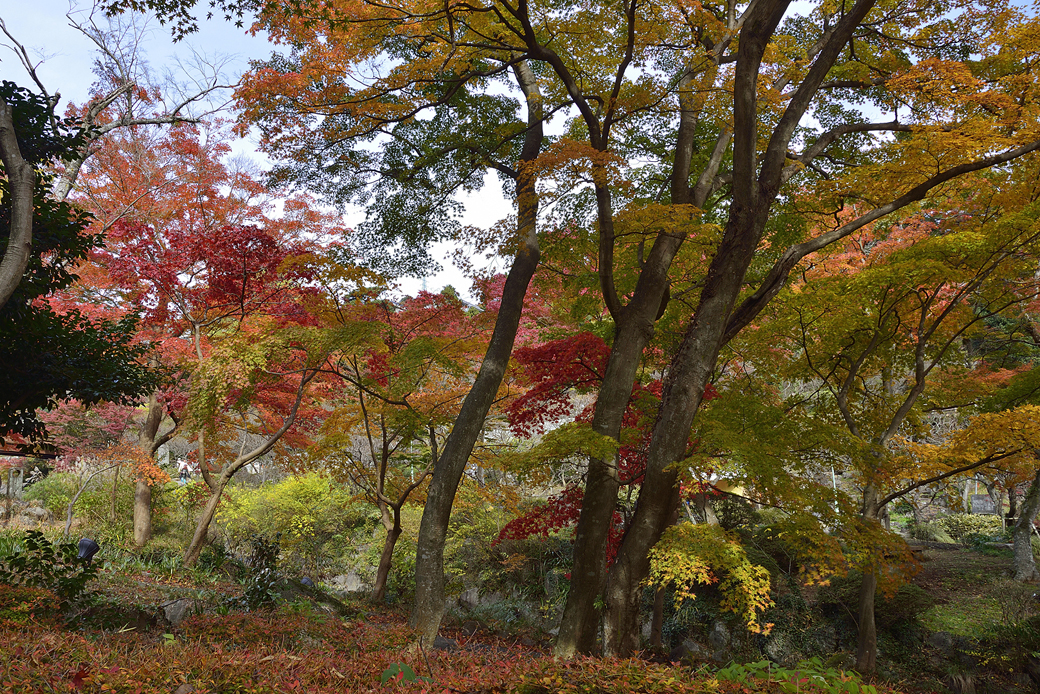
(193, 246)
(410, 367)
(870, 342)
(713, 101)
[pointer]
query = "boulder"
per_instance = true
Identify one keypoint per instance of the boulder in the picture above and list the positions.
(470, 598)
(176, 611)
(942, 641)
(350, 582)
(719, 638)
(443, 644)
(689, 651)
(35, 514)
(291, 590)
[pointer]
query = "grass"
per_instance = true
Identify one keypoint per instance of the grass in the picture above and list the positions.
(967, 618)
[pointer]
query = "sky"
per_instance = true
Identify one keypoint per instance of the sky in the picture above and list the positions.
(65, 57)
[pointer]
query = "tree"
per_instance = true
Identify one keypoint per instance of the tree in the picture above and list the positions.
(870, 343)
(125, 95)
(51, 352)
(193, 245)
(713, 101)
(401, 387)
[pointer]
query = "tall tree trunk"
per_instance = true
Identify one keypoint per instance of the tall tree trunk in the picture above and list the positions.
(392, 535)
(866, 637)
(148, 442)
(1021, 535)
(756, 185)
(579, 626)
(142, 512)
(433, 530)
(21, 179)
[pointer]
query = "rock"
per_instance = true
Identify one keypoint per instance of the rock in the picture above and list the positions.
(689, 650)
(442, 644)
(779, 648)
(471, 627)
(719, 638)
(176, 611)
(292, 590)
(491, 598)
(941, 641)
(470, 598)
(35, 514)
(350, 582)
(184, 689)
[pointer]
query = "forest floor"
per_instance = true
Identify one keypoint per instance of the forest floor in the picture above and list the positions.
(977, 633)
(983, 628)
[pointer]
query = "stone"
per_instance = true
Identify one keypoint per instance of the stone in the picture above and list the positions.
(719, 638)
(471, 627)
(492, 598)
(184, 689)
(176, 611)
(36, 514)
(350, 582)
(688, 651)
(470, 598)
(778, 648)
(444, 644)
(941, 641)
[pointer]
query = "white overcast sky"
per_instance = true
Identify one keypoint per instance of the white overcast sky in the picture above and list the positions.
(65, 57)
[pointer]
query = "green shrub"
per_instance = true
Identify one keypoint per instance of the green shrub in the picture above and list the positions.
(930, 532)
(960, 524)
(314, 516)
(55, 491)
(38, 563)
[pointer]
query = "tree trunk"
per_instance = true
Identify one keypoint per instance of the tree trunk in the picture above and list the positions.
(433, 530)
(115, 493)
(379, 592)
(866, 644)
(198, 540)
(657, 624)
(21, 179)
(142, 512)
(1025, 565)
(866, 638)
(635, 327)
(146, 442)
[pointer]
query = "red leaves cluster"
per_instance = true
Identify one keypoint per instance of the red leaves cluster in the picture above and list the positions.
(555, 371)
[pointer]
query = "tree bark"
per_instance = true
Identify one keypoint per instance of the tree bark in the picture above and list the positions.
(142, 512)
(755, 188)
(1021, 535)
(198, 540)
(433, 530)
(866, 642)
(392, 535)
(148, 442)
(866, 637)
(21, 180)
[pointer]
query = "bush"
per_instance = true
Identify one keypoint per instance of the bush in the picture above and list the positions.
(930, 532)
(960, 524)
(38, 563)
(55, 491)
(313, 516)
